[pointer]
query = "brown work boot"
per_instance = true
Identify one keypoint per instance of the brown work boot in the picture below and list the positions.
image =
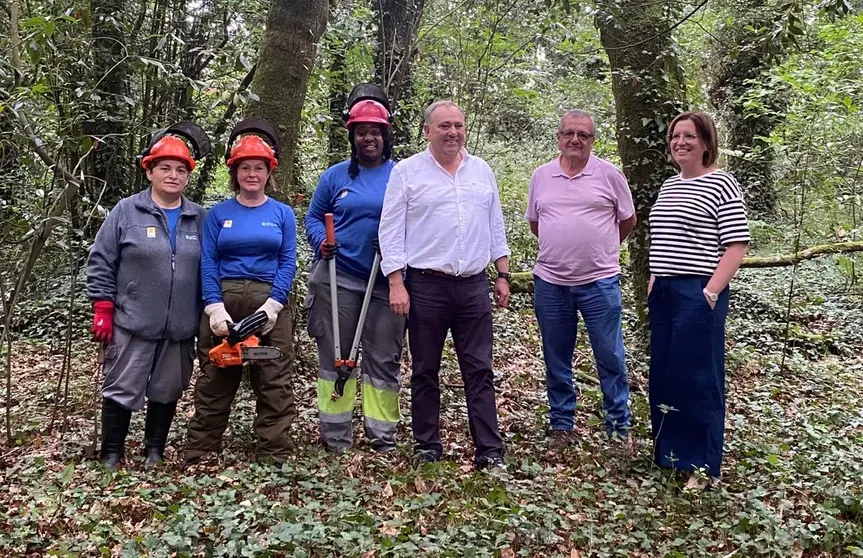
(558, 439)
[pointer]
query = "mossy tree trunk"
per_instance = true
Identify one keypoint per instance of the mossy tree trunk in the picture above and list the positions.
(649, 91)
(285, 62)
(740, 77)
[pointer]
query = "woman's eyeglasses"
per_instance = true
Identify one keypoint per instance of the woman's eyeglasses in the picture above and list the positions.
(686, 136)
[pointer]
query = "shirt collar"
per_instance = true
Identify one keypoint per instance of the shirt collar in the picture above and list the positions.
(465, 156)
(588, 170)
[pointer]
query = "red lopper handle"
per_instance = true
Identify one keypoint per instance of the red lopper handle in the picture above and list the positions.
(331, 228)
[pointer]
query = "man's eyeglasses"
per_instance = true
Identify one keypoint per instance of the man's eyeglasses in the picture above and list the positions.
(676, 136)
(569, 134)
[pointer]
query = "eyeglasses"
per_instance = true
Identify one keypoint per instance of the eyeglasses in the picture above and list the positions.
(569, 134)
(676, 136)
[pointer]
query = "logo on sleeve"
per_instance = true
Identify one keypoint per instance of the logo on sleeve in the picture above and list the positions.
(228, 224)
(151, 232)
(268, 224)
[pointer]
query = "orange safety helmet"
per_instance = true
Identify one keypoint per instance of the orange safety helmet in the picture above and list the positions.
(169, 147)
(368, 111)
(252, 146)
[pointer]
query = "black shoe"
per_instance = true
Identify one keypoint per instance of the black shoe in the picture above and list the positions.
(115, 426)
(157, 426)
(490, 464)
(425, 456)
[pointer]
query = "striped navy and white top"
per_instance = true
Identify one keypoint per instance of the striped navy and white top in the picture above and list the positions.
(692, 222)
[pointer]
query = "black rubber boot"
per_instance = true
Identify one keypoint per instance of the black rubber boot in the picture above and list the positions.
(115, 426)
(159, 418)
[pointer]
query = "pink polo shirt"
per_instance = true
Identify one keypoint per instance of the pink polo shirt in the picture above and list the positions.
(579, 239)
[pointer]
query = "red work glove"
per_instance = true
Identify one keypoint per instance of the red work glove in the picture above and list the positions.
(328, 251)
(103, 321)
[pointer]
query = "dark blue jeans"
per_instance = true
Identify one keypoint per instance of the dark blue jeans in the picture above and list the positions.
(557, 308)
(687, 374)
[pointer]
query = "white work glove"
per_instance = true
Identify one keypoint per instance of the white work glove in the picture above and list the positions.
(219, 318)
(272, 308)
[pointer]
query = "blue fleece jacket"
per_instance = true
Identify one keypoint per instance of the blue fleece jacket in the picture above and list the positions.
(253, 243)
(356, 207)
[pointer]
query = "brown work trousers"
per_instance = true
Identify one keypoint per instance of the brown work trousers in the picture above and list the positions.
(216, 387)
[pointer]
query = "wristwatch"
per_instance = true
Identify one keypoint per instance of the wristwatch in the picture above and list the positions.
(712, 297)
(503, 275)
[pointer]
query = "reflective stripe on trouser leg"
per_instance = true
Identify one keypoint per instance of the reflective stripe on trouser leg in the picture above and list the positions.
(382, 342)
(335, 416)
(381, 346)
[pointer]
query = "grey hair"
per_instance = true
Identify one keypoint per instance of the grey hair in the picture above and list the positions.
(439, 103)
(575, 113)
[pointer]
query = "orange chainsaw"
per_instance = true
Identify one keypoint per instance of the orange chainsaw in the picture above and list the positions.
(242, 345)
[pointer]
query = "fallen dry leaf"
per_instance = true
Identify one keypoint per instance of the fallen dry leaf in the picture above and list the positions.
(389, 530)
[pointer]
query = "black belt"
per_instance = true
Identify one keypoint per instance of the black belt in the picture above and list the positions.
(436, 273)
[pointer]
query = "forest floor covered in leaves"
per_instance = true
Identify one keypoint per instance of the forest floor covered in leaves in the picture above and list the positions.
(791, 481)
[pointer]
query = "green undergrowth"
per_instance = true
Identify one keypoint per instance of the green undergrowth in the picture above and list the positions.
(791, 481)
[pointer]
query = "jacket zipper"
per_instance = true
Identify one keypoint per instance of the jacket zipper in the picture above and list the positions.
(164, 221)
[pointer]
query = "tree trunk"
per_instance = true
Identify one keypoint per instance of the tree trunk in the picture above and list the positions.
(285, 62)
(649, 91)
(738, 72)
(107, 109)
(338, 96)
(398, 24)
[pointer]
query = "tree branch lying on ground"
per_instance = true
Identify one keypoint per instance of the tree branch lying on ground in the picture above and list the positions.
(522, 281)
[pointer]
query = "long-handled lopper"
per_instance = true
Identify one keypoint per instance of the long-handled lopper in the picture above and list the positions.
(344, 367)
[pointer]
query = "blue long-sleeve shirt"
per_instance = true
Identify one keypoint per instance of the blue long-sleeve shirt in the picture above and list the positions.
(356, 207)
(254, 243)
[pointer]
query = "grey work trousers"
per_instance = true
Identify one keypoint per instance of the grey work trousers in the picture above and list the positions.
(136, 368)
(381, 349)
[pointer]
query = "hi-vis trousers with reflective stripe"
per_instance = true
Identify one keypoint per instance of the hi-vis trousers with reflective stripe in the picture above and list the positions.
(380, 349)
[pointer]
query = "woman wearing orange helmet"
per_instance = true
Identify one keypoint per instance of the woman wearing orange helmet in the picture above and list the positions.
(248, 265)
(143, 278)
(353, 191)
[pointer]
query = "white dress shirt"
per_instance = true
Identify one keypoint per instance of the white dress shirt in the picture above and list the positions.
(433, 220)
